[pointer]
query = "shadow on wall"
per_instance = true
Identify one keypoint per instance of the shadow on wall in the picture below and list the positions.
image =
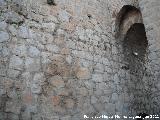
(127, 16)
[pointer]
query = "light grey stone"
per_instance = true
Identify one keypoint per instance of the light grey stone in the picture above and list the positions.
(68, 117)
(110, 108)
(61, 32)
(33, 109)
(49, 27)
(32, 64)
(69, 59)
(3, 26)
(83, 91)
(93, 100)
(47, 38)
(99, 107)
(36, 88)
(5, 52)
(2, 2)
(53, 48)
(45, 57)
(13, 18)
(105, 99)
(16, 63)
(23, 32)
(3, 71)
(116, 79)
(13, 73)
(50, 18)
(105, 61)
(99, 68)
(64, 16)
(97, 77)
(71, 44)
(4, 36)
(39, 78)
(97, 28)
(33, 51)
(20, 50)
(13, 30)
(27, 77)
(114, 97)
(89, 84)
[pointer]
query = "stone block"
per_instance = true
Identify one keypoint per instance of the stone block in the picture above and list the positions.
(97, 77)
(13, 107)
(64, 16)
(83, 73)
(52, 48)
(93, 100)
(32, 64)
(33, 51)
(16, 63)
(57, 81)
(4, 36)
(20, 50)
(13, 73)
(3, 26)
(23, 32)
(69, 103)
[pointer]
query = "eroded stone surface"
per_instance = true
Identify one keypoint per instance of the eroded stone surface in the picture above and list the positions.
(59, 62)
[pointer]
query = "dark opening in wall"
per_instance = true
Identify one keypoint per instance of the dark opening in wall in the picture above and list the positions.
(51, 2)
(133, 45)
(134, 48)
(127, 16)
(89, 16)
(130, 33)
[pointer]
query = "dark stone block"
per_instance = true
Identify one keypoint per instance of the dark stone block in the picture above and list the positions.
(51, 2)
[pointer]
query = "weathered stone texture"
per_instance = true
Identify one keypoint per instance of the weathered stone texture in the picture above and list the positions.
(64, 61)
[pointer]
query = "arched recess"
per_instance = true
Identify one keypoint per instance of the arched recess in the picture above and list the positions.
(131, 35)
(127, 16)
(133, 44)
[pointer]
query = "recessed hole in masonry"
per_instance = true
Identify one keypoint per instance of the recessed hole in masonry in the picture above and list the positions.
(51, 2)
(134, 47)
(89, 16)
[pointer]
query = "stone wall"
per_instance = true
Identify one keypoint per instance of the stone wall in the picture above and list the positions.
(62, 61)
(150, 18)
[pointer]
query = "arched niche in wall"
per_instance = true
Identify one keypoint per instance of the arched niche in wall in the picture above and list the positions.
(135, 47)
(130, 31)
(127, 16)
(132, 41)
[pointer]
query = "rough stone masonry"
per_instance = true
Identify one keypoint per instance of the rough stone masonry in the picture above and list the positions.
(63, 59)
